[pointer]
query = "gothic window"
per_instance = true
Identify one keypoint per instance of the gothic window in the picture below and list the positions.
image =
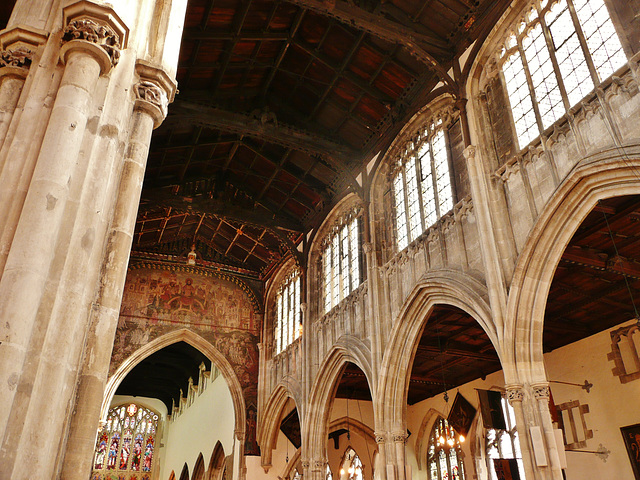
(126, 443)
(288, 320)
(328, 475)
(504, 443)
(422, 184)
(444, 457)
(560, 51)
(352, 468)
(341, 272)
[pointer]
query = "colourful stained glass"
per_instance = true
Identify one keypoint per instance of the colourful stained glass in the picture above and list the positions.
(148, 456)
(137, 453)
(125, 452)
(101, 451)
(113, 452)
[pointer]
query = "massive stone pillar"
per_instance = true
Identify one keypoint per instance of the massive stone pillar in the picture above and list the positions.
(153, 90)
(75, 130)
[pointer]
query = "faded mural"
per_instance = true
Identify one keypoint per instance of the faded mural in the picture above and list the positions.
(160, 299)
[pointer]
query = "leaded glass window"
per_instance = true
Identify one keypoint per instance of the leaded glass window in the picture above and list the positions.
(341, 272)
(422, 184)
(288, 321)
(561, 50)
(504, 443)
(352, 468)
(444, 457)
(127, 443)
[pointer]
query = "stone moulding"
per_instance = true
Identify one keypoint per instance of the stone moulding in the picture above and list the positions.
(154, 91)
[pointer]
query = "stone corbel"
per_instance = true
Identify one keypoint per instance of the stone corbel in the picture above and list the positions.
(96, 29)
(154, 91)
(17, 47)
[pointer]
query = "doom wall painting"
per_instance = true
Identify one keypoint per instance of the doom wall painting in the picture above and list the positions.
(159, 299)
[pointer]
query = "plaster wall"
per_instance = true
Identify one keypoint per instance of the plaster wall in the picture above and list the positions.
(209, 419)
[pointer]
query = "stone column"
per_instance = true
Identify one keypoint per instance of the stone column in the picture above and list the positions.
(153, 92)
(515, 396)
(490, 256)
(399, 441)
(90, 50)
(382, 454)
(239, 469)
(541, 395)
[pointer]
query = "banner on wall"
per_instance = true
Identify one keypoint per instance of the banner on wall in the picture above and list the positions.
(491, 409)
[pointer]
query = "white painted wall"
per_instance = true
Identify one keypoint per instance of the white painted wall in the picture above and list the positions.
(209, 419)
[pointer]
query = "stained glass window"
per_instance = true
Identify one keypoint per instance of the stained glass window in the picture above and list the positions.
(328, 475)
(561, 51)
(341, 272)
(422, 184)
(444, 457)
(352, 468)
(504, 443)
(126, 443)
(288, 313)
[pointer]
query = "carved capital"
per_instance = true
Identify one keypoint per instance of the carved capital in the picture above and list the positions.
(154, 91)
(20, 57)
(318, 464)
(305, 463)
(89, 25)
(515, 393)
(380, 438)
(367, 247)
(540, 391)
(469, 153)
(239, 434)
(17, 47)
(400, 437)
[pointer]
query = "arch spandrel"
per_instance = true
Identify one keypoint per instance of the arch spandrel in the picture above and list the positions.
(347, 349)
(597, 177)
(444, 287)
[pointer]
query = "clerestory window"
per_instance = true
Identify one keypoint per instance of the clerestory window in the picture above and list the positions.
(341, 257)
(288, 312)
(422, 184)
(559, 53)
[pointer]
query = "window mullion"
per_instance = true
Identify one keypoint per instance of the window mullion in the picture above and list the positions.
(554, 60)
(418, 166)
(583, 42)
(406, 203)
(434, 176)
(532, 92)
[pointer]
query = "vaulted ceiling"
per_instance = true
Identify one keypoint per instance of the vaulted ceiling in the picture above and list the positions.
(281, 105)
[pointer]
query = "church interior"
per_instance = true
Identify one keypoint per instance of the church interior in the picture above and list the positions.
(320, 239)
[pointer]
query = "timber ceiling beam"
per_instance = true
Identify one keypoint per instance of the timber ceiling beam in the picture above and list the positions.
(601, 261)
(263, 128)
(421, 46)
(222, 209)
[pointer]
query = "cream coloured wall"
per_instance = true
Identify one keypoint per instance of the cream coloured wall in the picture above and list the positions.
(209, 419)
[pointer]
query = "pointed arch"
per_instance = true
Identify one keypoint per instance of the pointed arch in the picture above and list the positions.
(184, 475)
(422, 439)
(196, 341)
(198, 469)
(315, 429)
(444, 287)
(216, 463)
(353, 425)
(271, 417)
(596, 177)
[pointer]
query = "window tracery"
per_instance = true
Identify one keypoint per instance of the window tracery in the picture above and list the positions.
(503, 443)
(341, 257)
(352, 468)
(126, 444)
(288, 318)
(444, 457)
(558, 53)
(421, 182)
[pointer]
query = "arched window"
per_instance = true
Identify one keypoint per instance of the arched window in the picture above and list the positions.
(127, 442)
(352, 468)
(504, 443)
(444, 457)
(561, 50)
(341, 272)
(328, 475)
(288, 313)
(422, 184)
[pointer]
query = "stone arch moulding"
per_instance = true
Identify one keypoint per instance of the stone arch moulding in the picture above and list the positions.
(196, 341)
(422, 439)
(216, 462)
(439, 287)
(605, 174)
(270, 417)
(314, 431)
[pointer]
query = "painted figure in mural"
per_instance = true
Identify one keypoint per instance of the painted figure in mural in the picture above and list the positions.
(124, 455)
(101, 453)
(137, 454)
(148, 457)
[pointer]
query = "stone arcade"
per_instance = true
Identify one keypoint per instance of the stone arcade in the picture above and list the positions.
(364, 239)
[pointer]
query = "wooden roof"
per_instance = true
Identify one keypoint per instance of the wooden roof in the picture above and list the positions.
(281, 105)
